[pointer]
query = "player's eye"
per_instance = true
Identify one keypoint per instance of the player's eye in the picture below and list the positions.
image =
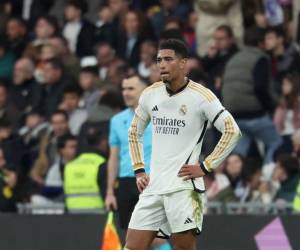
(158, 60)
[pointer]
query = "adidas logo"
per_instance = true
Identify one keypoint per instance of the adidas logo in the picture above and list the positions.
(155, 108)
(187, 221)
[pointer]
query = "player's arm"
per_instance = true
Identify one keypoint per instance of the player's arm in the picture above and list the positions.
(224, 122)
(214, 112)
(135, 140)
(112, 171)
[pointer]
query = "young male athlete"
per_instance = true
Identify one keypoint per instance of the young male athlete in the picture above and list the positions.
(179, 110)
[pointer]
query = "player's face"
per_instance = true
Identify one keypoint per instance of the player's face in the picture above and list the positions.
(169, 65)
(131, 91)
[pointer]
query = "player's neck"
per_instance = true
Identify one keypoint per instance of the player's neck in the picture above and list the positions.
(177, 84)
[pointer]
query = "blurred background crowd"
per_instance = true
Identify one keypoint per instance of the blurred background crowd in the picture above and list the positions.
(62, 64)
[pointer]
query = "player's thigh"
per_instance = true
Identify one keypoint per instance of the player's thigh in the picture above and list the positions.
(139, 239)
(184, 210)
(184, 240)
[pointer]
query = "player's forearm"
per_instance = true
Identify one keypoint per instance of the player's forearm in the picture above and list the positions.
(135, 139)
(230, 137)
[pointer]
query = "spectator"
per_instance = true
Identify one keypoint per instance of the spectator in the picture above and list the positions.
(67, 149)
(55, 82)
(90, 169)
(89, 82)
(247, 82)
(79, 32)
(8, 110)
(147, 57)
(215, 61)
(48, 146)
(7, 60)
(70, 104)
(45, 27)
(104, 27)
(25, 92)
(69, 60)
(8, 181)
(105, 57)
(169, 8)
(214, 13)
(134, 31)
(16, 31)
(287, 113)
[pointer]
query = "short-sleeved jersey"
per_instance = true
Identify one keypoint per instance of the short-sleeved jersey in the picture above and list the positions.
(178, 124)
(118, 137)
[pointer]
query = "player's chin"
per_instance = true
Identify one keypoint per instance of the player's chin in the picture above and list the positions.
(165, 78)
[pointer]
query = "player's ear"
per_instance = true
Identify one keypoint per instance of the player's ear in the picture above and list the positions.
(183, 63)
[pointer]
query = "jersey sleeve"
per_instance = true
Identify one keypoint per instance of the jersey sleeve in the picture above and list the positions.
(224, 122)
(135, 136)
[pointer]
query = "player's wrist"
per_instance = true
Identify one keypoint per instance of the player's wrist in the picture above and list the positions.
(203, 168)
(139, 171)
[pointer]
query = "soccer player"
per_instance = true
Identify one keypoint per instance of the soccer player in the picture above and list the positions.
(171, 199)
(119, 163)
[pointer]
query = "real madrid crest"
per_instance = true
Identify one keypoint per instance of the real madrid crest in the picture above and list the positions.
(183, 109)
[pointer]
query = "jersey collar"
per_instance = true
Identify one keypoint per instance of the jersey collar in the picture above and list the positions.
(171, 92)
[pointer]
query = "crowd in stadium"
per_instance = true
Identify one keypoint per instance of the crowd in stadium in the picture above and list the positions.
(62, 64)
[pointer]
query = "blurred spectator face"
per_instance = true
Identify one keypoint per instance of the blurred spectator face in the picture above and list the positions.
(59, 124)
(48, 52)
(279, 173)
(287, 87)
(87, 80)
(68, 152)
(234, 166)
(2, 159)
(193, 20)
(105, 14)
(58, 44)
(222, 40)
(70, 101)
(118, 6)
(51, 74)
(105, 55)
(154, 73)
(192, 63)
(148, 52)
(255, 180)
(131, 23)
(44, 29)
(72, 13)
(3, 97)
(5, 132)
(173, 24)
(271, 41)
(261, 20)
(15, 30)
(131, 91)
(33, 120)
(23, 70)
(169, 4)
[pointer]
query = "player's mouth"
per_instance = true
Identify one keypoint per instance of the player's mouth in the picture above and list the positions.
(164, 73)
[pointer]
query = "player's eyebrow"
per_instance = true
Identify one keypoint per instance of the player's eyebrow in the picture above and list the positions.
(166, 58)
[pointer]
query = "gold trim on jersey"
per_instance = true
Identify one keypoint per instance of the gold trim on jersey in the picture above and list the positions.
(209, 96)
(134, 146)
(229, 132)
(153, 86)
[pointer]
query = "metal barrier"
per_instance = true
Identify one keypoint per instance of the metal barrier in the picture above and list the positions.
(212, 208)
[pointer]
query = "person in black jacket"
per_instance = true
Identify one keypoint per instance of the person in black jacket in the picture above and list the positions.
(79, 32)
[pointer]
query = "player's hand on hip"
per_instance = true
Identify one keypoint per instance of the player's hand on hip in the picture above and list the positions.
(142, 181)
(111, 202)
(190, 171)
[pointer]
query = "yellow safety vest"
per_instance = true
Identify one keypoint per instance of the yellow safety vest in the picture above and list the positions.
(296, 203)
(81, 188)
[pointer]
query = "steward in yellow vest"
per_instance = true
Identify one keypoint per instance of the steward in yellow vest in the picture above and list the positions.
(82, 183)
(296, 203)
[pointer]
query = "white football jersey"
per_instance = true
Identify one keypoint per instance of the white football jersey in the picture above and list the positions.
(178, 124)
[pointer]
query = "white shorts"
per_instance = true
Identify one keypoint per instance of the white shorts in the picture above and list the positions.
(169, 213)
